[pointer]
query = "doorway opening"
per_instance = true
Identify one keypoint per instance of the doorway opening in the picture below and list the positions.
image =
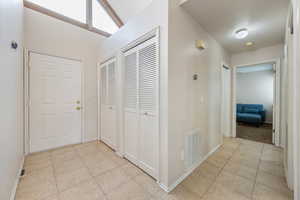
(256, 102)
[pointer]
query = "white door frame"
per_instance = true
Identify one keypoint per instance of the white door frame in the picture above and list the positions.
(27, 97)
(222, 92)
(277, 63)
(296, 99)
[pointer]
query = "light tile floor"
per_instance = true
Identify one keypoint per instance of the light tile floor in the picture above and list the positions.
(239, 170)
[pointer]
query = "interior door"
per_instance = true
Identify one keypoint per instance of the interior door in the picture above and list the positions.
(131, 118)
(104, 108)
(141, 126)
(148, 107)
(108, 108)
(55, 102)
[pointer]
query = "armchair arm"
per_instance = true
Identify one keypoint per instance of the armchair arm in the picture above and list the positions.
(263, 115)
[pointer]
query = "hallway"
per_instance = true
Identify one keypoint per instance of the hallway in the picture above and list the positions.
(239, 170)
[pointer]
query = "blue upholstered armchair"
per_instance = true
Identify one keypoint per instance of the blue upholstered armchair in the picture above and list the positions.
(251, 113)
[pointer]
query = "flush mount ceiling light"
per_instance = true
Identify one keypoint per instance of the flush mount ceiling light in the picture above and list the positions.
(241, 33)
(249, 44)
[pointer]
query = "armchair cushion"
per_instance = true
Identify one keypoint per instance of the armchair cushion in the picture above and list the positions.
(251, 110)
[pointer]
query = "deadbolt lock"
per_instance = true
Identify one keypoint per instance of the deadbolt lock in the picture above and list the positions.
(78, 102)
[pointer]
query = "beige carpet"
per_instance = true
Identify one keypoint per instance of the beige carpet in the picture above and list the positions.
(259, 134)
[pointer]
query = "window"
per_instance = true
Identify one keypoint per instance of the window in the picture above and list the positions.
(101, 19)
(75, 9)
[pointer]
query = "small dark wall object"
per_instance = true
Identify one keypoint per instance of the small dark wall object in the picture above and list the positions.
(14, 45)
(22, 172)
(195, 77)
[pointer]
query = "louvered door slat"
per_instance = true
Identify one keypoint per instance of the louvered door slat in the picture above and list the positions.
(111, 84)
(131, 82)
(148, 76)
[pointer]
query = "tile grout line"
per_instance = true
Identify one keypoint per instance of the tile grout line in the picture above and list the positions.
(108, 171)
(257, 171)
(54, 174)
(267, 186)
(90, 173)
(220, 171)
(80, 158)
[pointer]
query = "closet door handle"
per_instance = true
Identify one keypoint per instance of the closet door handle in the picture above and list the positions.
(145, 113)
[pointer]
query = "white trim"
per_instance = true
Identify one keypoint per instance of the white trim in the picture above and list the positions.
(277, 100)
(27, 97)
(15, 186)
(277, 62)
(98, 102)
(189, 172)
(83, 95)
(26, 101)
(296, 99)
(90, 140)
(142, 39)
(233, 102)
(222, 97)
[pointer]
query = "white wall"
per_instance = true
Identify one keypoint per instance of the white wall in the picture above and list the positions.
(47, 35)
(256, 88)
(128, 9)
(179, 61)
(186, 112)
(11, 137)
(153, 16)
(258, 56)
(287, 104)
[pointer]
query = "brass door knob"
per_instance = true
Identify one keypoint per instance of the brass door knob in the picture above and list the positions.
(78, 108)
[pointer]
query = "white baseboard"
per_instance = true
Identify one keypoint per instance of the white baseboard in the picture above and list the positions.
(165, 188)
(90, 140)
(14, 189)
(119, 154)
(188, 172)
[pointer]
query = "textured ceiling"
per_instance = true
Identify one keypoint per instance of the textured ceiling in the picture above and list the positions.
(265, 20)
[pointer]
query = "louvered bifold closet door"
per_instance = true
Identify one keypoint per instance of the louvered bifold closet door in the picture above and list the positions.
(148, 106)
(111, 84)
(108, 108)
(131, 117)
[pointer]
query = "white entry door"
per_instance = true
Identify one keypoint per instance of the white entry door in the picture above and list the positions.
(107, 103)
(141, 107)
(55, 102)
